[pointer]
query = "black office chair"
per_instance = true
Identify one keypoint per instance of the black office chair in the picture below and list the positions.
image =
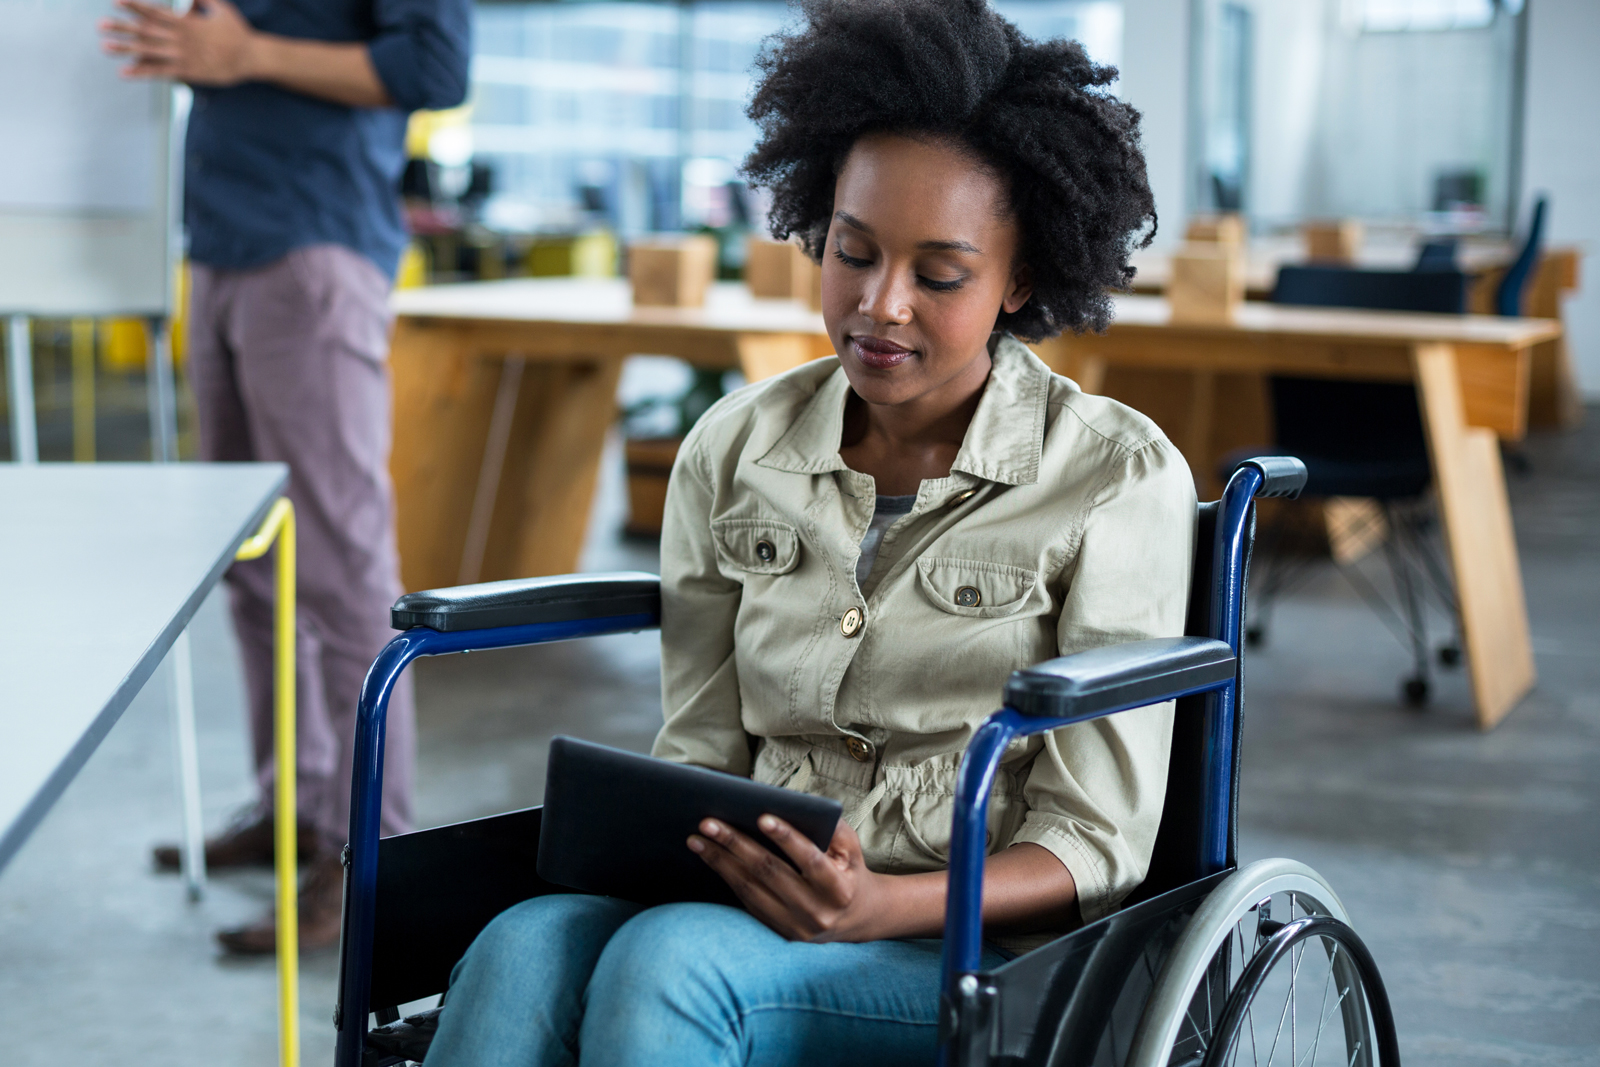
(1438, 253)
(1508, 295)
(1365, 439)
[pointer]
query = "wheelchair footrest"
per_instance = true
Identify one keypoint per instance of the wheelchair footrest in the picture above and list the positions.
(408, 1039)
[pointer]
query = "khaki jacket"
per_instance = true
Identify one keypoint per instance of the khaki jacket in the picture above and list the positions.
(1066, 523)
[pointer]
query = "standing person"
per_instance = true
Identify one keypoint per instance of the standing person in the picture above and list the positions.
(293, 160)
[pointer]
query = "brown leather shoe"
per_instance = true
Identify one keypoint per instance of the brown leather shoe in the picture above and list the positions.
(247, 842)
(321, 903)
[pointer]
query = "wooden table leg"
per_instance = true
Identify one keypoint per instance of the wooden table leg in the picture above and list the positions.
(1091, 374)
(1483, 550)
(535, 436)
(1196, 442)
(444, 401)
(551, 466)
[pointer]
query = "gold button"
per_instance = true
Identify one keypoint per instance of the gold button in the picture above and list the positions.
(851, 623)
(765, 551)
(968, 597)
(968, 495)
(861, 750)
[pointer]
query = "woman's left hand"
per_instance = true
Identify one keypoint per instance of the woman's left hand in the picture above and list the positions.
(831, 897)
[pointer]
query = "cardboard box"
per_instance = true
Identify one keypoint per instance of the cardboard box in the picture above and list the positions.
(1207, 284)
(1332, 240)
(777, 270)
(672, 271)
(1227, 230)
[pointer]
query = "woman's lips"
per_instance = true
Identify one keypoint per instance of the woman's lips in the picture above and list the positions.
(880, 352)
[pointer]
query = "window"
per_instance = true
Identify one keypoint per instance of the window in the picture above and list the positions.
(631, 114)
(1388, 16)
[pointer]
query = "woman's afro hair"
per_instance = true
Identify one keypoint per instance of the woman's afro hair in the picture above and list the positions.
(1036, 112)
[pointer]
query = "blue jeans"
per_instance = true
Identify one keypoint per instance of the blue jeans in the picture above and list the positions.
(682, 984)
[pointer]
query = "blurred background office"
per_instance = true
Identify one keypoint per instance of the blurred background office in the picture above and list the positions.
(587, 272)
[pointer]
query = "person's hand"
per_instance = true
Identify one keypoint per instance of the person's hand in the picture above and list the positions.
(211, 45)
(831, 897)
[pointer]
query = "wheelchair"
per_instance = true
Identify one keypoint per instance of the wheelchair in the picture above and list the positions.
(1207, 963)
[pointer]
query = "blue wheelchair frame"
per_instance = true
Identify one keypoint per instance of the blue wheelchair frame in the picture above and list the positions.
(1051, 695)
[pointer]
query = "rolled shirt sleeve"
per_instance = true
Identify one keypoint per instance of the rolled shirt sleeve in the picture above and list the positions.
(422, 51)
(699, 607)
(1096, 789)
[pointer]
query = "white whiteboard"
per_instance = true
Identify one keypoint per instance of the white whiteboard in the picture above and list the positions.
(88, 177)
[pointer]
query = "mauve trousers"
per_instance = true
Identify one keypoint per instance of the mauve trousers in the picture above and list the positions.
(289, 363)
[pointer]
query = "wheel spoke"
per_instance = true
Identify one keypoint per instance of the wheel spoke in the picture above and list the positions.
(1353, 1054)
(1278, 1034)
(1333, 959)
(1190, 1016)
(1210, 1017)
(1311, 1055)
(1294, 999)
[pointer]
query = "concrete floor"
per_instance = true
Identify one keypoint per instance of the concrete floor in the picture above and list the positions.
(1471, 863)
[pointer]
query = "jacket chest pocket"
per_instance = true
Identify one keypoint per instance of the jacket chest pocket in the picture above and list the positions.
(756, 546)
(974, 588)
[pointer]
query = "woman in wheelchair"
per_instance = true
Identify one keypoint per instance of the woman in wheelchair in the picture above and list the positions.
(857, 554)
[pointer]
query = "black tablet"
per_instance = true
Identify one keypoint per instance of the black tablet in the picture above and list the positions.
(616, 823)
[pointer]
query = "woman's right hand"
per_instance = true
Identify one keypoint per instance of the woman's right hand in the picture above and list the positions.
(825, 896)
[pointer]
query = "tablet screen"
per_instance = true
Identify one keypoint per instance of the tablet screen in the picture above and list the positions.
(617, 823)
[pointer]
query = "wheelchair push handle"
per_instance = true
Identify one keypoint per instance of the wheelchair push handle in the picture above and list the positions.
(530, 601)
(1280, 475)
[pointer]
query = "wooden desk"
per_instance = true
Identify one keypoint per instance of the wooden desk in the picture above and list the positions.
(1554, 400)
(504, 392)
(503, 395)
(1471, 374)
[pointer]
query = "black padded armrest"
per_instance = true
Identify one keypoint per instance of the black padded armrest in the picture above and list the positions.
(562, 598)
(1280, 475)
(1117, 677)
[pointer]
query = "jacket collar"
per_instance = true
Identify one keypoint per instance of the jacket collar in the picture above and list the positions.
(1003, 444)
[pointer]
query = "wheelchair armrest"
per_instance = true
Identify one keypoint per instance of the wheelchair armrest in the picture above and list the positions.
(1280, 475)
(1118, 677)
(524, 601)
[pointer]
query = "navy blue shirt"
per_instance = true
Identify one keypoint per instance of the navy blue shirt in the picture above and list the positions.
(269, 170)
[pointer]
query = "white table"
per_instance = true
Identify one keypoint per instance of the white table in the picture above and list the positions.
(102, 566)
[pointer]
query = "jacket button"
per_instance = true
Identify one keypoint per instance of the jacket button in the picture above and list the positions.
(968, 597)
(851, 623)
(765, 551)
(861, 750)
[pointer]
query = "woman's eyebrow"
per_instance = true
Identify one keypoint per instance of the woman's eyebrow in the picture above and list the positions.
(951, 246)
(930, 246)
(852, 222)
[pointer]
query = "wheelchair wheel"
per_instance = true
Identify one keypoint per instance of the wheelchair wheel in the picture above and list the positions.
(1302, 994)
(1233, 992)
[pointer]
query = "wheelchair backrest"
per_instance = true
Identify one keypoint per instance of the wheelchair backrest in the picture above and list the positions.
(1175, 860)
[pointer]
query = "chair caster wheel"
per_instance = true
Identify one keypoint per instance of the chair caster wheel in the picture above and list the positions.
(1254, 636)
(1415, 692)
(1450, 655)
